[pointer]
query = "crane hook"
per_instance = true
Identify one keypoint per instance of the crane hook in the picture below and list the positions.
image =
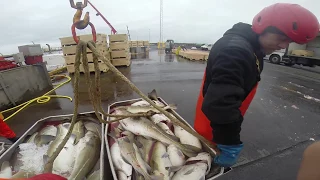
(80, 24)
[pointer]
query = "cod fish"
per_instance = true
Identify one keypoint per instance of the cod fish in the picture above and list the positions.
(145, 150)
(94, 176)
(164, 127)
(65, 160)
(48, 131)
(160, 118)
(186, 138)
(88, 152)
(145, 103)
(6, 171)
(78, 131)
(119, 163)
(143, 126)
(122, 176)
(32, 138)
(160, 161)
(143, 109)
(131, 154)
(93, 127)
(61, 133)
(203, 157)
(45, 135)
(176, 157)
(191, 172)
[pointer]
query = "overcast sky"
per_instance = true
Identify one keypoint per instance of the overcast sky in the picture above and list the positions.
(198, 21)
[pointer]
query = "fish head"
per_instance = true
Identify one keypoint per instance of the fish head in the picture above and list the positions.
(128, 134)
(66, 125)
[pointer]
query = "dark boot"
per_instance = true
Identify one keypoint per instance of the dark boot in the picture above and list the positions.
(14, 139)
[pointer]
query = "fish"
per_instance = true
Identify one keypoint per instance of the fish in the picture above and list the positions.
(176, 157)
(62, 130)
(78, 131)
(122, 176)
(45, 135)
(93, 127)
(23, 174)
(32, 138)
(164, 127)
(145, 103)
(131, 155)
(153, 95)
(119, 163)
(145, 150)
(186, 138)
(138, 177)
(49, 131)
(6, 171)
(41, 140)
(160, 118)
(144, 109)
(15, 160)
(145, 127)
(88, 152)
(191, 172)
(64, 162)
(94, 176)
(203, 157)
(160, 161)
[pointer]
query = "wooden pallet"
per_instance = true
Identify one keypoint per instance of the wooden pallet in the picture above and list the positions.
(140, 43)
(146, 43)
(101, 39)
(71, 58)
(119, 54)
(133, 43)
(69, 49)
(118, 38)
(119, 46)
(122, 61)
(103, 68)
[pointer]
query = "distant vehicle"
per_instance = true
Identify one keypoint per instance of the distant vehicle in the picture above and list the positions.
(169, 46)
(206, 47)
(306, 54)
(193, 48)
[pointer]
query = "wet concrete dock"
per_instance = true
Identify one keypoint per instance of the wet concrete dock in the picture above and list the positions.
(278, 126)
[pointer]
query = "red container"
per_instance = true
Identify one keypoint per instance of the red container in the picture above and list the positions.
(7, 65)
(29, 60)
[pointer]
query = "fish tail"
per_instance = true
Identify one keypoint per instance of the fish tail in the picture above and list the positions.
(171, 106)
(153, 95)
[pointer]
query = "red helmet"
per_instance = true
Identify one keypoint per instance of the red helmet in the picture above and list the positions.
(298, 23)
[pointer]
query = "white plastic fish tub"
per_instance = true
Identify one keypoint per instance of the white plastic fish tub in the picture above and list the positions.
(6, 156)
(128, 102)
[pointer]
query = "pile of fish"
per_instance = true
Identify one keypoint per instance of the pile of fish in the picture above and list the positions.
(78, 160)
(153, 148)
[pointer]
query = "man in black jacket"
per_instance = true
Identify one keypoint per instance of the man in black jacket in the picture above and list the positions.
(233, 72)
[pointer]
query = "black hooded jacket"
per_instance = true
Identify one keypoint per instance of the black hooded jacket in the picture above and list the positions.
(231, 74)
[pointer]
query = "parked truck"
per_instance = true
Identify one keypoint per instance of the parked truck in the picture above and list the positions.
(306, 54)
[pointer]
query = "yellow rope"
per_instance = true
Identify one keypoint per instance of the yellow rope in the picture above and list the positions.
(40, 100)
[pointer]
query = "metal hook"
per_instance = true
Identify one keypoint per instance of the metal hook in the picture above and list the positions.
(79, 5)
(80, 24)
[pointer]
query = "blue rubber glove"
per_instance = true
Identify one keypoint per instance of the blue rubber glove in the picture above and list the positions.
(229, 155)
